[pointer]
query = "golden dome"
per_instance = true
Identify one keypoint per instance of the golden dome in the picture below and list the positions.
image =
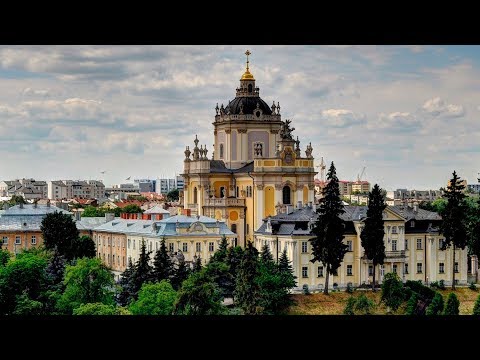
(247, 75)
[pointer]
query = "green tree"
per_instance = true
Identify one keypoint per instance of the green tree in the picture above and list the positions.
(266, 256)
(364, 305)
(452, 307)
(162, 264)
(154, 299)
(23, 275)
(180, 274)
(234, 258)
(84, 246)
(26, 306)
(91, 211)
(453, 225)
(286, 271)
(436, 306)
(221, 253)
(247, 292)
(143, 271)
(88, 281)
(476, 307)
(132, 209)
(328, 246)
(16, 199)
(412, 305)
(197, 264)
(220, 274)
(199, 295)
(392, 291)
(59, 231)
(4, 257)
(126, 292)
(96, 309)
(474, 229)
(372, 233)
(173, 195)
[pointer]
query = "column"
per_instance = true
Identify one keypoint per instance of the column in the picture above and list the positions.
(299, 195)
(311, 193)
(428, 257)
(432, 276)
(259, 208)
(185, 196)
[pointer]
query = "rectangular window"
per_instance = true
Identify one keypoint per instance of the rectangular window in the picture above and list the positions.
(304, 272)
(198, 247)
(441, 268)
(456, 267)
(419, 268)
(170, 247)
(419, 244)
(248, 229)
(34, 239)
(440, 244)
(320, 271)
(17, 240)
(394, 268)
(113, 259)
(5, 240)
(210, 246)
(406, 244)
(133, 244)
(304, 246)
(350, 245)
(185, 247)
(406, 268)
(349, 270)
(370, 270)
(394, 245)
(394, 229)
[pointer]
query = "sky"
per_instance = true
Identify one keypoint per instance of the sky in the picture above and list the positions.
(408, 114)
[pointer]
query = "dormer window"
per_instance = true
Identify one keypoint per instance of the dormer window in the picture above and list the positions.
(412, 223)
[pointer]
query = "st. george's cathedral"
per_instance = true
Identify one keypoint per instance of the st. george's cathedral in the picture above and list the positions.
(257, 168)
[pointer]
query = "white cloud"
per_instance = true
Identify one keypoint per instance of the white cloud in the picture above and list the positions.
(342, 117)
(438, 107)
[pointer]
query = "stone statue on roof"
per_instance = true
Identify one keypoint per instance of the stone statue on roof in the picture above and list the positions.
(286, 131)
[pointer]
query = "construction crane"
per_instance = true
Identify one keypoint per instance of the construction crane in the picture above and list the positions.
(322, 167)
(359, 177)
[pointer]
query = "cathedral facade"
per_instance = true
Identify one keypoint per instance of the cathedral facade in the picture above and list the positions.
(257, 169)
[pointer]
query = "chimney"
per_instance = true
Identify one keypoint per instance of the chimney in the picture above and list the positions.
(289, 209)
(415, 206)
(299, 205)
(78, 215)
(35, 205)
(109, 217)
(310, 204)
(139, 216)
(154, 227)
(21, 205)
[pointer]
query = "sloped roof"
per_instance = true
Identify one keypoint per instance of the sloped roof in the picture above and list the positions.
(30, 210)
(157, 209)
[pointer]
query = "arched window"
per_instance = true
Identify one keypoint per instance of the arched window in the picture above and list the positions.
(234, 228)
(237, 192)
(221, 151)
(250, 88)
(286, 194)
(195, 193)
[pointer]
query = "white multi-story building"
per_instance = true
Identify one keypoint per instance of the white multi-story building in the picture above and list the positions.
(69, 189)
(165, 185)
(28, 188)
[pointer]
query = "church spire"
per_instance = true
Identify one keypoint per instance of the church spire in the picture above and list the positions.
(247, 75)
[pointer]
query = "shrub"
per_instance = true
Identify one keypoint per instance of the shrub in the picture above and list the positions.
(364, 305)
(392, 291)
(476, 307)
(441, 285)
(305, 289)
(349, 308)
(434, 285)
(349, 288)
(335, 286)
(472, 286)
(412, 305)
(436, 306)
(423, 291)
(453, 305)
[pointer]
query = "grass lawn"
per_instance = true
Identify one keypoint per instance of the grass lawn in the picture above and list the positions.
(334, 302)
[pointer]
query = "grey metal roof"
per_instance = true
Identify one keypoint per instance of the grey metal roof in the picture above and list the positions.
(18, 222)
(31, 210)
(284, 224)
(90, 223)
(166, 227)
(157, 209)
(218, 166)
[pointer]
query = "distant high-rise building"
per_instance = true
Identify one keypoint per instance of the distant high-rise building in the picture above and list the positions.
(146, 185)
(165, 185)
